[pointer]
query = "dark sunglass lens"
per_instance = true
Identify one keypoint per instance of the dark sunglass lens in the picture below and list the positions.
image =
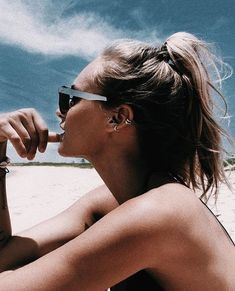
(63, 103)
(74, 101)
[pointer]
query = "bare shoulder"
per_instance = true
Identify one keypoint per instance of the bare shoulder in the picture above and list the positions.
(162, 203)
(167, 216)
(172, 203)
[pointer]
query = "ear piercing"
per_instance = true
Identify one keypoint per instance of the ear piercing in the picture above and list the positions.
(128, 121)
(115, 128)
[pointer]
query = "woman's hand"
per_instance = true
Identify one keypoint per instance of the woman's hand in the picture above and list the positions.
(26, 130)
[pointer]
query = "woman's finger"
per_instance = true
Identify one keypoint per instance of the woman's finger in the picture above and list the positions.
(22, 122)
(34, 137)
(42, 131)
(26, 130)
(22, 132)
(10, 134)
(37, 130)
(53, 137)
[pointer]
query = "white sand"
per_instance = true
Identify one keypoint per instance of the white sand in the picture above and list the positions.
(36, 193)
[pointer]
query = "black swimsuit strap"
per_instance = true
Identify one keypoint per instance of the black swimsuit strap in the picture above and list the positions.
(224, 229)
(180, 180)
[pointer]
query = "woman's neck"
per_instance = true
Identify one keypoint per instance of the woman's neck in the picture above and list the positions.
(125, 177)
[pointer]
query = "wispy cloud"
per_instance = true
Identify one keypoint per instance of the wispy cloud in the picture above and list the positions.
(42, 27)
(221, 22)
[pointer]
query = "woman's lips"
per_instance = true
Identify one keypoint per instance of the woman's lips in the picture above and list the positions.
(62, 124)
(61, 137)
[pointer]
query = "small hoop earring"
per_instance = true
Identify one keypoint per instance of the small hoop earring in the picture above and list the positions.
(128, 121)
(115, 128)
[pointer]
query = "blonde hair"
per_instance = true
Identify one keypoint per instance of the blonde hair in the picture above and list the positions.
(170, 90)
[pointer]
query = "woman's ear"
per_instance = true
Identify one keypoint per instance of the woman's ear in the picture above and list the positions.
(121, 117)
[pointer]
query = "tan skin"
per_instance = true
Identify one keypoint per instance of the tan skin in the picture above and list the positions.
(166, 230)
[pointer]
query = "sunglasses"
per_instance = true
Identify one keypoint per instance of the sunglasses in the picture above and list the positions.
(68, 97)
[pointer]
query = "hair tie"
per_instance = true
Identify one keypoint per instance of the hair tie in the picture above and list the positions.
(163, 55)
(3, 165)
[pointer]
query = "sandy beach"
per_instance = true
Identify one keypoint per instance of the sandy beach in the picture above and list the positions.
(36, 193)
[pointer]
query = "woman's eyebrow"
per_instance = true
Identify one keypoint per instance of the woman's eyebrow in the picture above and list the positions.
(73, 86)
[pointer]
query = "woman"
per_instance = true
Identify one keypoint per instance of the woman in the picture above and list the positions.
(143, 117)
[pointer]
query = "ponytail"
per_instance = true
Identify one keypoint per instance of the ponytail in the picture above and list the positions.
(198, 70)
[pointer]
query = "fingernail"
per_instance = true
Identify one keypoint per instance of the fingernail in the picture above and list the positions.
(30, 158)
(41, 149)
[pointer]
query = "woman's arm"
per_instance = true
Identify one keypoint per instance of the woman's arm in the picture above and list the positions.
(47, 236)
(117, 246)
(27, 132)
(5, 224)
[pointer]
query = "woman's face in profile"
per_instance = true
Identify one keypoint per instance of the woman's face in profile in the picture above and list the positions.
(84, 123)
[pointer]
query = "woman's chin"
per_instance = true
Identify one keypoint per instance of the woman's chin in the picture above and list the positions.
(61, 151)
(64, 152)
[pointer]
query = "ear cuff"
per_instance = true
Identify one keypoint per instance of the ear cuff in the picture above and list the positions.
(128, 121)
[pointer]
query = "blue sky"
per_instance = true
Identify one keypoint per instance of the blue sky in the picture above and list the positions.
(44, 44)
